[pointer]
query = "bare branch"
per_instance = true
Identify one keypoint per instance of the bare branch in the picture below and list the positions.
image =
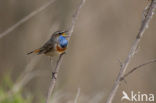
(77, 96)
(75, 16)
(137, 67)
(26, 18)
(148, 13)
(56, 70)
(54, 77)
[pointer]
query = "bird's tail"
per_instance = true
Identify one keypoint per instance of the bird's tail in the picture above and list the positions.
(34, 51)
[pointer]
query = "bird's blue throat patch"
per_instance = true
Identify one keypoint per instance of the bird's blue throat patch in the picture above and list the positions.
(63, 41)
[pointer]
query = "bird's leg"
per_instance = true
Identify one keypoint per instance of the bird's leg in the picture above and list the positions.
(53, 75)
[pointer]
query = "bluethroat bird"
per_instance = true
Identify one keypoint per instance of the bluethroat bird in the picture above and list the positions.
(57, 44)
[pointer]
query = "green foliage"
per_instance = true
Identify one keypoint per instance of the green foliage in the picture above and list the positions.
(6, 82)
(7, 97)
(16, 98)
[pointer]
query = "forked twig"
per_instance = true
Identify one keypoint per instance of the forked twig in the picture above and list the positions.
(137, 67)
(59, 61)
(26, 18)
(148, 13)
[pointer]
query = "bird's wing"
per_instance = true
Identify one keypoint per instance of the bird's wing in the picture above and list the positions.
(48, 46)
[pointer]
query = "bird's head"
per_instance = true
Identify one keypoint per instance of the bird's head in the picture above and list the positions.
(60, 33)
(60, 38)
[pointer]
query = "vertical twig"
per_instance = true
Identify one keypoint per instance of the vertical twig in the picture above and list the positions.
(54, 77)
(26, 18)
(56, 70)
(148, 13)
(77, 96)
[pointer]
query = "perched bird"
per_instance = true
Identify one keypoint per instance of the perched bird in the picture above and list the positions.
(57, 44)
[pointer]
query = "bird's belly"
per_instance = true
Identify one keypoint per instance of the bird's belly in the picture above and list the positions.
(55, 52)
(52, 53)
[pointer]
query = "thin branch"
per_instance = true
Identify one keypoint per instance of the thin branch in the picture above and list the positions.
(26, 18)
(148, 13)
(56, 70)
(75, 17)
(77, 96)
(54, 77)
(137, 67)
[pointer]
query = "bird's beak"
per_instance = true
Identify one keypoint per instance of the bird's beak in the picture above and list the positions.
(65, 34)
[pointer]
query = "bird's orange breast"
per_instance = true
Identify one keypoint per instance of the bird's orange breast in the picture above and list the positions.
(59, 49)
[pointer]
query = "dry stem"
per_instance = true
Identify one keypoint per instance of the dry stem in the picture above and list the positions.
(56, 70)
(148, 13)
(26, 18)
(77, 96)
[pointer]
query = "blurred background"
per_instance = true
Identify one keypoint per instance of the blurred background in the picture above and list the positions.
(103, 35)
